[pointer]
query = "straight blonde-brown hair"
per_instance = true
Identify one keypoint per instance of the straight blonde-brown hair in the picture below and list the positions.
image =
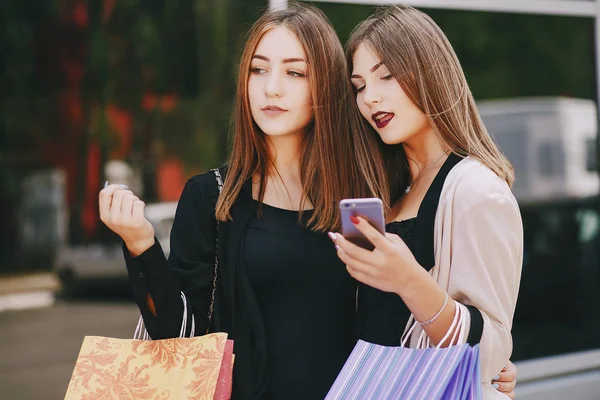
(422, 60)
(337, 158)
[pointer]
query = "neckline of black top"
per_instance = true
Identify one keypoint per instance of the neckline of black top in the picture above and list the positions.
(403, 222)
(284, 210)
(258, 203)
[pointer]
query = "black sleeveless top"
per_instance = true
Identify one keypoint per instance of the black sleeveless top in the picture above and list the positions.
(307, 302)
(382, 316)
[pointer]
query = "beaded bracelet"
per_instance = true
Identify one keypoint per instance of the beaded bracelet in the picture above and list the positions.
(436, 314)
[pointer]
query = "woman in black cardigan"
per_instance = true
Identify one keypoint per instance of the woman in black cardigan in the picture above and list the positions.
(282, 294)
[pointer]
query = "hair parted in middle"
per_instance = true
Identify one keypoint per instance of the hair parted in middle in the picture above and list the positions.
(337, 159)
(420, 57)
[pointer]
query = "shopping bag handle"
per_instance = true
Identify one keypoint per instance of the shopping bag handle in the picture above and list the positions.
(142, 334)
(457, 329)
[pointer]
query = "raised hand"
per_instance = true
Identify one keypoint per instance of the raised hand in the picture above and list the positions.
(123, 213)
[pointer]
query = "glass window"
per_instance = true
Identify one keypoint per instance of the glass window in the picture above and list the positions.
(559, 295)
(591, 159)
(549, 159)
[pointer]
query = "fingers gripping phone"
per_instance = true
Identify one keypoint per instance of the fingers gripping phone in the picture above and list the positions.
(370, 209)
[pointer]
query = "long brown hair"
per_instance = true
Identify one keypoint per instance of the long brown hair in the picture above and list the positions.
(422, 60)
(329, 169)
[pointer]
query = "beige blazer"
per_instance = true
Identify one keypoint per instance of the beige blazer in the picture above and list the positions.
(478, 242)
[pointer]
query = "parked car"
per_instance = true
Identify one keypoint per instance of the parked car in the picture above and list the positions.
(98, 263)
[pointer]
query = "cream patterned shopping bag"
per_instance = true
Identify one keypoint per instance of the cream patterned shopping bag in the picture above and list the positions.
(169, 369)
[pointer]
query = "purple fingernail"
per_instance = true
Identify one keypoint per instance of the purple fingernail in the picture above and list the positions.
(332, 236)
(106, 184)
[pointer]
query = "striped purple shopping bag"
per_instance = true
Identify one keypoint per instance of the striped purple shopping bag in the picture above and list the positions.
(466, 383)
(379, 372)
(428, 373)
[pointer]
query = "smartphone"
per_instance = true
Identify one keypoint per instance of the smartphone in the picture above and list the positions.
(370, 209)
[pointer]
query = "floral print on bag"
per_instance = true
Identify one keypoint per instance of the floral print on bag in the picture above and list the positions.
(170, 369)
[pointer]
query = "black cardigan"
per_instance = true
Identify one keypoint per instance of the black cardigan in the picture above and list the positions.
(190, 269)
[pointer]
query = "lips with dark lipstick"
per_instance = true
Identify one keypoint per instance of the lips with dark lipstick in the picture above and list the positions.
(382, 118)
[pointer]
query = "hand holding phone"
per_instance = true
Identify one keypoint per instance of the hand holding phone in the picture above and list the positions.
(371, 209)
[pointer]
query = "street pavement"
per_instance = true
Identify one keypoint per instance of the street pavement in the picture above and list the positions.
(38, 347)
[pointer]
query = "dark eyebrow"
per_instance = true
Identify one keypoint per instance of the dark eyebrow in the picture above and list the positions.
(285, 60)
(293, 60)
(373, 69)
(376, 66)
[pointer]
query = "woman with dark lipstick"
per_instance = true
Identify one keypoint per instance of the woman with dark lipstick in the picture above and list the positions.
(455, 243)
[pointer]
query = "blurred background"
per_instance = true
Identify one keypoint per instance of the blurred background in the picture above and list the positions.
(140, 93)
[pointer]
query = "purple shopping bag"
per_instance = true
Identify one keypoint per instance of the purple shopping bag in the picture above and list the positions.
(466, 382)
(379, 372)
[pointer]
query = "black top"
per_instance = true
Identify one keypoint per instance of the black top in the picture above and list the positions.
(307, 302)
(382, 316)
(240, 301)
